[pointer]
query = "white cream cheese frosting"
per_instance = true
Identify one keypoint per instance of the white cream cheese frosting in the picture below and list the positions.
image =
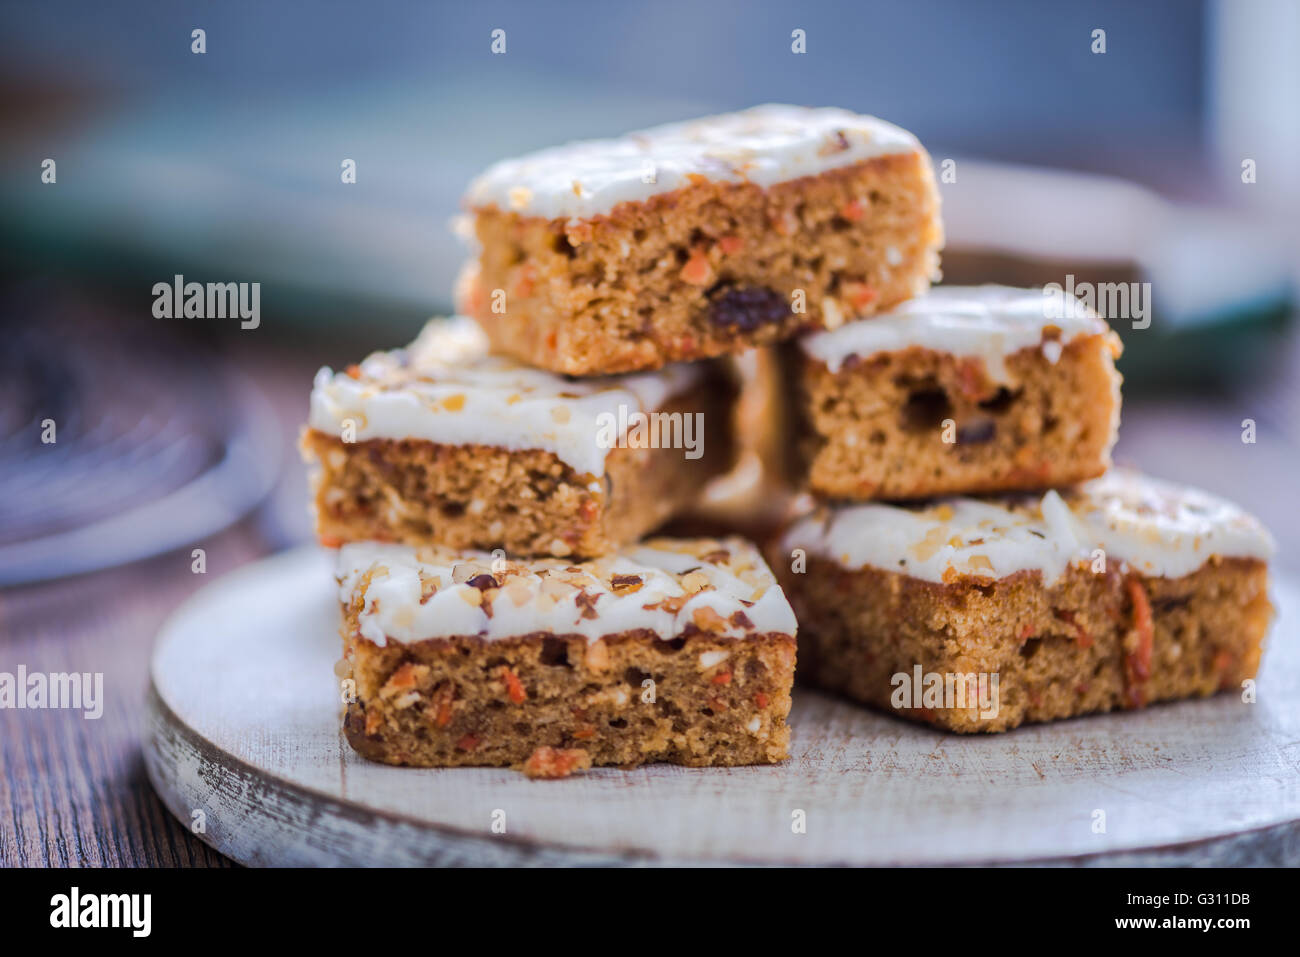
(1152, 527)
(988, 322)
(446, 388)
(764, 145)
(666, 586)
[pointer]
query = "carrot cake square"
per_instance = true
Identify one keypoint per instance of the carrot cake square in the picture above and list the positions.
(699, 239)
(441, 443)
(968, 389)
(670, 650)
(982, 614)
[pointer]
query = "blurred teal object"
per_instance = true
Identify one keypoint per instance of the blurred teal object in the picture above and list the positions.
(254, 192)
(1222, 283)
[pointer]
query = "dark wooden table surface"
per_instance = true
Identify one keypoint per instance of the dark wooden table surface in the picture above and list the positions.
(73, 790)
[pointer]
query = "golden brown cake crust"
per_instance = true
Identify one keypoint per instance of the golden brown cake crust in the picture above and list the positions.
(527, 502)
(877, 429)
(551, 704)
(706, 270)
(1088, 643)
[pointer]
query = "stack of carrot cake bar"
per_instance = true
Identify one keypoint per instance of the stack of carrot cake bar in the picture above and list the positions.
(975, 562)
(494, 489)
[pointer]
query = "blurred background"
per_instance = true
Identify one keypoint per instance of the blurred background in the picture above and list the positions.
(1123, 165)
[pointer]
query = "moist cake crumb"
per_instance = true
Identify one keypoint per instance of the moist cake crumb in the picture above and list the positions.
(966, 390)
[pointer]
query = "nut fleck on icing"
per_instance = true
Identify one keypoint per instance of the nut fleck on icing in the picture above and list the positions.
(669, 587)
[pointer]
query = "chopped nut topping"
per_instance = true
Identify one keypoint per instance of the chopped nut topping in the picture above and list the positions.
(834, 143)
(931, 543)
(429, 585)
(706, 619)
(555, 589)
(740, 619)
(587, 603)
(625, 584)
(672, 604)
(519, 593)
(693, 582)
(462, 572)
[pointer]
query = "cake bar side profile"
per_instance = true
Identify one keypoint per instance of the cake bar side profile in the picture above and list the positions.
(966, 390)
(442, 444)
(673, 651)
(973, 616)
(992, 656)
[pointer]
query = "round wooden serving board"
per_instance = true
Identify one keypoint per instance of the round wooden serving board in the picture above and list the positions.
(244, 741)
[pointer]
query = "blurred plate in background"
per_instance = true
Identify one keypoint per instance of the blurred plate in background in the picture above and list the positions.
(154, 445)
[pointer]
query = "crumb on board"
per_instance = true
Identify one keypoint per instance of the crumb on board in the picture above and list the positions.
(547, 763)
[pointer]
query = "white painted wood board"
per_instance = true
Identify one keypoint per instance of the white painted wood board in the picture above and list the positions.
(245, 728)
